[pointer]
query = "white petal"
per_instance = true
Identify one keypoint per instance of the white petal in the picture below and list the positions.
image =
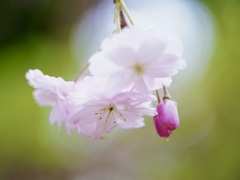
(141, 86)
(166, 66)
(129, 37)
(100, 65)
(45, 97)
(161, 72)
(151, 49)
(87, 129)
(133, 120)
(122, 56)
(174, 45)
(146, 111)
(38, 80)
(120, 81)
(86, 115)
(56, 116)
(171, 61)
(160, 82)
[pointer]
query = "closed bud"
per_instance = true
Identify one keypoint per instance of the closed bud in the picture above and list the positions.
(167, 119)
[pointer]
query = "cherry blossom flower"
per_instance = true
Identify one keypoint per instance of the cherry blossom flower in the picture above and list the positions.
(167, 119)
(107, 109)
(141, 58)
(51, 91)
(128, 68)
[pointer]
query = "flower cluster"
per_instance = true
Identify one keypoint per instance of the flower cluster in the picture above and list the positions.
(124, 75)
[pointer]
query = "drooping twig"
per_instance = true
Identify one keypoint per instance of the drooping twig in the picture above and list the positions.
(82, 72)
(120, 14)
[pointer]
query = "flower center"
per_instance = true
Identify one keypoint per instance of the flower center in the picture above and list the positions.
(100, 114)
(104, 114)
(138, 69)
(108, 109)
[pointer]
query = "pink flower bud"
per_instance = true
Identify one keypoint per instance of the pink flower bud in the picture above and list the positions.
(167, 119)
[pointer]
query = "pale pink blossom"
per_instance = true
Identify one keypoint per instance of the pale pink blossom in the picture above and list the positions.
(51, 91)
(107, 109)
(144, 59)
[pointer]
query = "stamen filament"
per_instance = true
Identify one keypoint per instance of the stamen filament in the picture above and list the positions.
(121, 115)
(105, 124)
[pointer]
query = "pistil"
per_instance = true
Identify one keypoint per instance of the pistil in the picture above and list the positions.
(105, 124)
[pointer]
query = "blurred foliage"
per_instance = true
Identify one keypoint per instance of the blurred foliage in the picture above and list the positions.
(21, 125)
(21, 18)
(35, 35)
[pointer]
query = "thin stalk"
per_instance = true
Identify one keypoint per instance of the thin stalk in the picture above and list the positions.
(126, 11)
(117, 15)
(82, 72)
(123, 22)
(165, 93)
(158, 97)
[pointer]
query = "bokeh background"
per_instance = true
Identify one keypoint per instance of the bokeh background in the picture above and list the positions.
(58, 37)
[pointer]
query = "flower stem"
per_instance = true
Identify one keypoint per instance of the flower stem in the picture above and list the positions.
(119, 18)
(81, 72)
(165, 93)
(123, 22)
(126, 11)
(158, 97)
(117, 15)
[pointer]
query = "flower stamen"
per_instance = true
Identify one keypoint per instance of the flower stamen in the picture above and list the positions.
(105, 124)
(120, 114)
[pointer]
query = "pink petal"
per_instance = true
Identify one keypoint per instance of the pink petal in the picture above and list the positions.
(56, 116)
(160, 128)
(45, 97)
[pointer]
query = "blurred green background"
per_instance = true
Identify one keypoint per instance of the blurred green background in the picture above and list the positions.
(35, 34)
